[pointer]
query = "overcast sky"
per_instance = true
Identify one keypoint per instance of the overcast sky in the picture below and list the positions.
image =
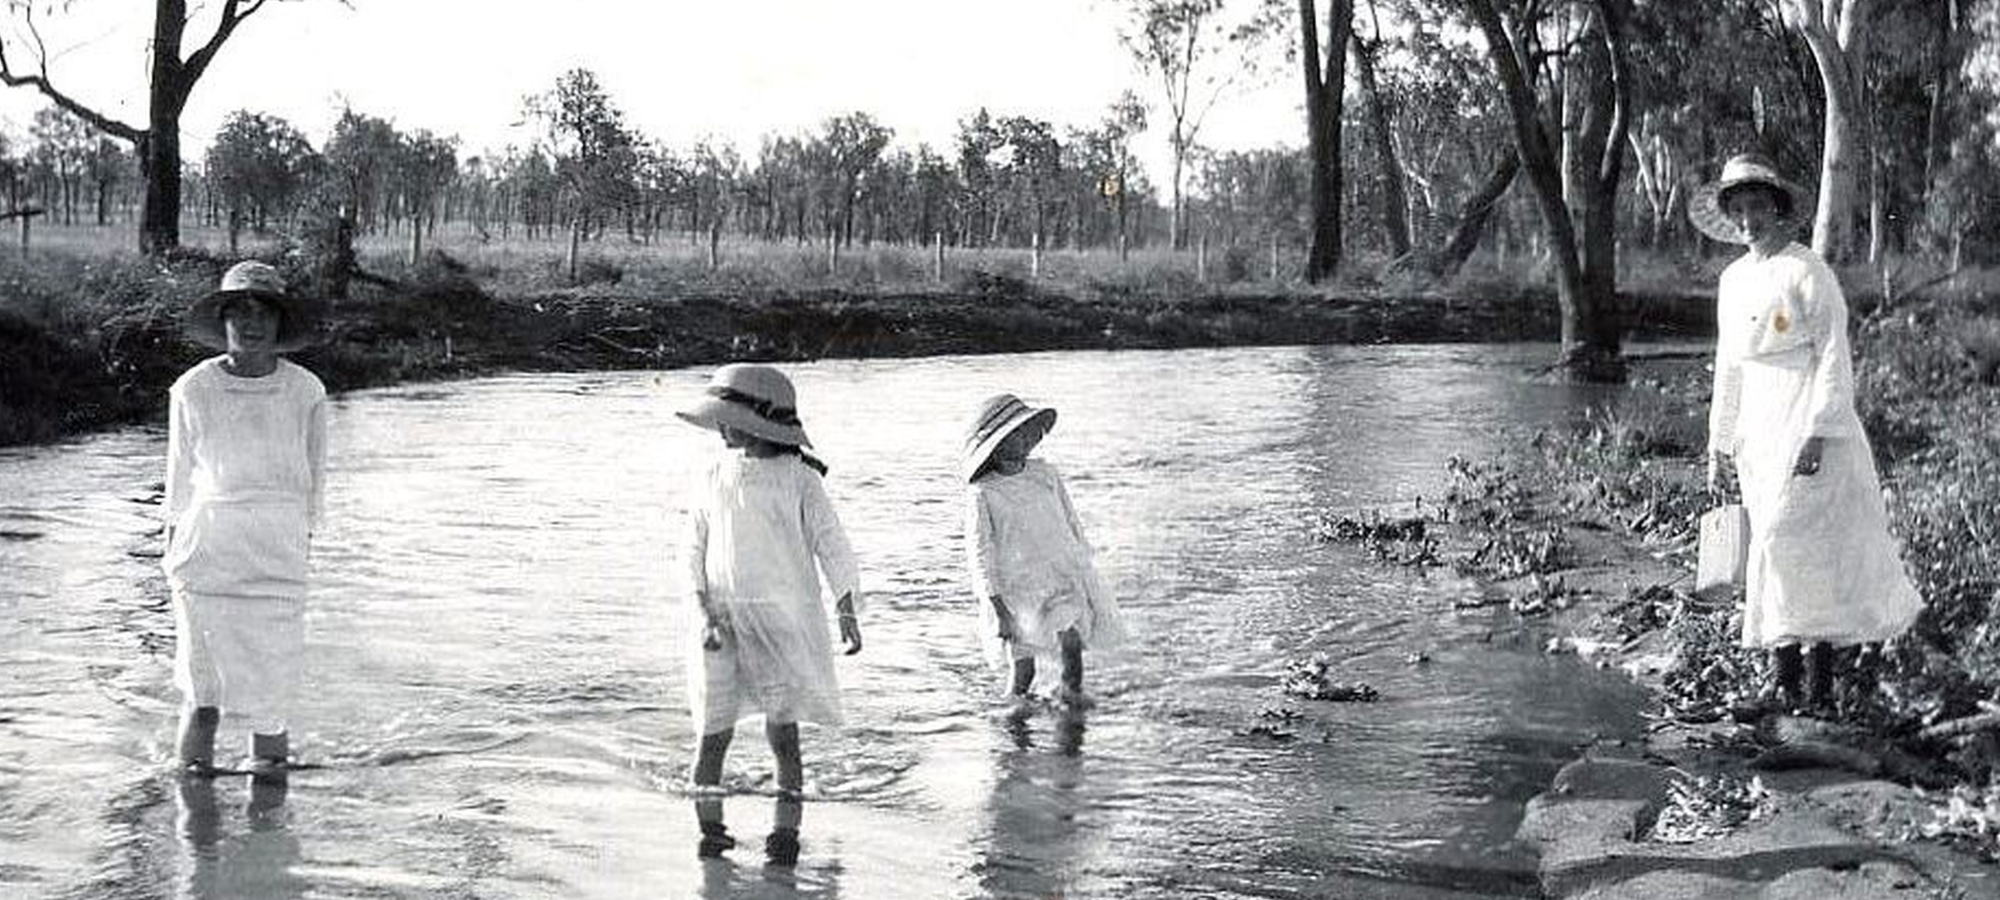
(680, 69)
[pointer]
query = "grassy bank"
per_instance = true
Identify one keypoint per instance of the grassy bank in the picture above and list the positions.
(1594, 528)
(89, 336)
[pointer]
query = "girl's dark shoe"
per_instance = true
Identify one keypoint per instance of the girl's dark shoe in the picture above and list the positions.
(714, 840)
(781, 848)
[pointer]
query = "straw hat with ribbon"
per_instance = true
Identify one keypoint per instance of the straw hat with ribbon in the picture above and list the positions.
(998, 417)
(1705, 205)
(755, 399)
(297, 319)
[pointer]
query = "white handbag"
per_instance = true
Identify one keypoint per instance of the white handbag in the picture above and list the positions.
(1723, 551)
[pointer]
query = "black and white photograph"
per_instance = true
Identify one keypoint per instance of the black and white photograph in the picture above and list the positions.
(1038, 450)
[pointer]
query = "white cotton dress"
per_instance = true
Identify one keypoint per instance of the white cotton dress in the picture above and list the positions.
(246, 461)
(761, 532)
(1822, 564)
(1025, 545)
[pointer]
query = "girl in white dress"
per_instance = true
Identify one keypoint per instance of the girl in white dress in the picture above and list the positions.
(761, 534)
(1039, 595)
(246, 457)
(1823, 569)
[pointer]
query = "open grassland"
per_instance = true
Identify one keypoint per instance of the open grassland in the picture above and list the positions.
(88, 332)
(677, 263)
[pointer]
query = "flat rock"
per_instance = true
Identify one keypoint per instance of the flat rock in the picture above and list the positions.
(1550, 822)
(1762, 851)
(1604, 778)
(1813, 754)
(1878, 809)
(1868, 881)
(1789, 729)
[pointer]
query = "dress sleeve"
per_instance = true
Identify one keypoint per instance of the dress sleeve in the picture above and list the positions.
(1830, 400)
(694, 540)
(180, 456)
(1069, 510)
(316, 461)
(982, 556)
(1727, 387)
(828, 539)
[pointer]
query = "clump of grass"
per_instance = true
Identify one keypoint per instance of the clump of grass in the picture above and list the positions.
(1979, 341)
(1707, 806)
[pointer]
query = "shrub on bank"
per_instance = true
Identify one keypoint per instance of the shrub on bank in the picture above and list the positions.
(84, 340)
(1928, 407)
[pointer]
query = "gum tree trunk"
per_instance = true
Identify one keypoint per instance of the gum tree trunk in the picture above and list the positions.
(158, 145)
(1325, 85)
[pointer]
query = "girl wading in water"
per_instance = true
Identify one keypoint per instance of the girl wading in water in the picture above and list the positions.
(1823, 570)
(246, 457)
(1039, 597)
(761, 532)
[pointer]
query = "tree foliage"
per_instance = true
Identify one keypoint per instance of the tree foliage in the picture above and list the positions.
(258, 167)
(1706, 81)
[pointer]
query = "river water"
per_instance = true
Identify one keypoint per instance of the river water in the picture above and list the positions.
(495, 704)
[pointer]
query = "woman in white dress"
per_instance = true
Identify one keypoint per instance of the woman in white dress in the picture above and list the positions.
(246, 456)
(1823, 571)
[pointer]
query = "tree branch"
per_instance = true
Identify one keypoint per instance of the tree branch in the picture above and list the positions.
(233, 14)
(40, 82)
(1621, 88)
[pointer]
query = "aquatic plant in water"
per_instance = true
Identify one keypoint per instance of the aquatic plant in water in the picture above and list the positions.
(1404, 541)
(1311, 679)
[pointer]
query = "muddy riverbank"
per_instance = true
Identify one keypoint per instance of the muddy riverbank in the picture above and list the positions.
(68, 366)
(1587, 535)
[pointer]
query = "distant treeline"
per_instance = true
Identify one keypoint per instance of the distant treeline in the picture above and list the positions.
(1428, 133)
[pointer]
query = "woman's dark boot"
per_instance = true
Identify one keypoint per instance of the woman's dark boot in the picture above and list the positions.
(1787, 665)
(1819, 679)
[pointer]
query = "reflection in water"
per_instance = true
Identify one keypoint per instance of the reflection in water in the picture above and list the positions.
(1038, 843)
(493, 575)
(256, 863)
(785, 873)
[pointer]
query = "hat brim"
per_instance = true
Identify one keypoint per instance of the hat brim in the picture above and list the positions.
(976, 457)
(298, 320)
(1705, 206)
(714, 412)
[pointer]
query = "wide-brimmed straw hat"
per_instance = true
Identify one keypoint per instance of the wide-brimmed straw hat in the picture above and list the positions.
(999, 416)
(1705, 206)
(297, 318)
(755, 399)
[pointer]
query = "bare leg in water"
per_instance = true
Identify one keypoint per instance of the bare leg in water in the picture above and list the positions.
(270, 751)
(197, 739)
(1072, 673)
(1022, 683)
(707, 806)
(782, 847)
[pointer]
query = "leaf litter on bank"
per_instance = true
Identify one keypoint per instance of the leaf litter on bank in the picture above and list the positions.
(1699, 807)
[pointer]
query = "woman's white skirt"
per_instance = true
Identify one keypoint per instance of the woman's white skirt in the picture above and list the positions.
(241, 654)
